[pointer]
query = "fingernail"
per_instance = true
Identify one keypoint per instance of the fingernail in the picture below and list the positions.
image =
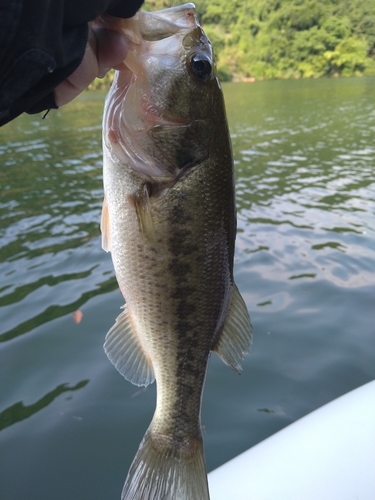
(103, 71)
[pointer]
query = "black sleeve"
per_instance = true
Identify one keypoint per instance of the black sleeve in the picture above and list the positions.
(41, 43)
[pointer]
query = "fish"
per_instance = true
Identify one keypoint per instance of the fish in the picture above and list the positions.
(169, 221)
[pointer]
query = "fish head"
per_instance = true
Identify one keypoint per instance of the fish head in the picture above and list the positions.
(159, 112)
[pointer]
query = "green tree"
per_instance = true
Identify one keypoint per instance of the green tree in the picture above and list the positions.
(287, 38)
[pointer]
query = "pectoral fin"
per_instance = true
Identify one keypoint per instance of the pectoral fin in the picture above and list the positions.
(146, 224)
(235, 339)
(104, 227)
(125, 351)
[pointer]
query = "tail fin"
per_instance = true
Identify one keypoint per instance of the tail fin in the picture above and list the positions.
(159, 472)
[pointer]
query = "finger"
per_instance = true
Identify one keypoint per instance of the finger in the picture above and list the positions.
(111, 49)
(86, 72)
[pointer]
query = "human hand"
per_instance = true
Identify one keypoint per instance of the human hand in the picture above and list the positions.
(105, 49)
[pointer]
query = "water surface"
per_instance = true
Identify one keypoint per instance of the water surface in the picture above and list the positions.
(305, 262)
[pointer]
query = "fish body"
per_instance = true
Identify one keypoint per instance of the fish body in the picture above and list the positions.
(169, 221)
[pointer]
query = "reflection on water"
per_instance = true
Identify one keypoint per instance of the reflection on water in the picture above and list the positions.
(18, 411)
(305, 264)
(49, 212)
(306, 180)
(56, 311)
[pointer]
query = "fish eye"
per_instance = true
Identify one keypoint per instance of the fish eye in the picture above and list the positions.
(201, 67)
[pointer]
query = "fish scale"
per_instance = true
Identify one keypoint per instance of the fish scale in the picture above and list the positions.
(169, 220)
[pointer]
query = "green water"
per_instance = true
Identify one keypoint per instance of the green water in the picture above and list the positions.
(305, 263)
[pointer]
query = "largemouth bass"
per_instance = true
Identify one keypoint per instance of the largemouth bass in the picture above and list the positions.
(169, 221)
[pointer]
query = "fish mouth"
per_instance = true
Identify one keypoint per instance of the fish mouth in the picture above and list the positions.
(135, 106)
(128, 126)
(153, 37)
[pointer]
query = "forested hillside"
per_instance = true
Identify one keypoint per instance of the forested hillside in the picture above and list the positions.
(288, 38)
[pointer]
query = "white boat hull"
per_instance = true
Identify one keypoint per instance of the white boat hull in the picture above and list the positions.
(326, 455)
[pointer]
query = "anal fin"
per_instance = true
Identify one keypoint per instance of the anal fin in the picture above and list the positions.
(124, 350)
(234, 341)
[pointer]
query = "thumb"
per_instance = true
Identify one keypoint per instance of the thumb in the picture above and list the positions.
(111, 47)
(105, 49)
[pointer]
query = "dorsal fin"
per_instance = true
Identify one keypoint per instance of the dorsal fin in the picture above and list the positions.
(235, 339)
(124, 350)
(105, 228)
